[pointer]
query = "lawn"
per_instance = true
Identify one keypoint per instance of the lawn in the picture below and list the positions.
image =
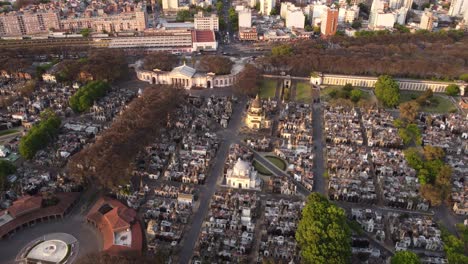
(281, 164)
(261, 169)
(439, 104)
(7, 132)
(268, 89)
(303, 92)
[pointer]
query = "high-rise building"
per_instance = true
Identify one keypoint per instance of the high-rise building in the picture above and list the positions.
(397, 4)
(245, 18)
(377, 6)
(348, 14)
(171, 5)
(266, 6)
(28, 23)
(294, 16)
(427, 20)
(458, 7)
(31, 22)
(329, 22)
(202, 22)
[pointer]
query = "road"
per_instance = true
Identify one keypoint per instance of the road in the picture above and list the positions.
(229, 136)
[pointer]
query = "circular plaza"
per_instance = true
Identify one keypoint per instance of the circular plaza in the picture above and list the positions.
(50, 248)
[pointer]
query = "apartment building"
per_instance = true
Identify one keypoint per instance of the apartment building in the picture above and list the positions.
(203, 22)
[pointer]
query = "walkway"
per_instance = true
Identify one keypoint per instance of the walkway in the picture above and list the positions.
(206, 191)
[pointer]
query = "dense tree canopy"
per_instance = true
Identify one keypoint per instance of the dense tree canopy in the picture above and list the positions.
(405, 257)
(456, 249)
(106, 64)
(409, 110)
(40, 134)
(218, 64)
(248, 81)
(400, 55)
(85, 97)
(433, 174)
(282, 50)
(6, 168)
(108, 162)
(323, 234)
(452, 89)
(387, 91)
(161, 60)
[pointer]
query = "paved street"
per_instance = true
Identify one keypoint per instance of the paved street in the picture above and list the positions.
(207, 191)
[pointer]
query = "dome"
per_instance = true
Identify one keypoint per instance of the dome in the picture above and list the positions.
(256, 103)
(241, 168)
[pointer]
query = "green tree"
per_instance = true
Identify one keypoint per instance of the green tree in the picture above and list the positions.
(6, 168)
(452, 90)
(85, 32)
(323, 233)
(40, 134)
(410, 134)
(282, 50)
(84, 98)
(387, 91)
(464, 77)
(184, 15)
(356, 24)
(219, 7)
(405, 257)
(355, 95)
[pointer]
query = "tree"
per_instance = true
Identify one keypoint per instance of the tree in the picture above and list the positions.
(184, 15)
(355, 95)
(464, 77)
(6, 168)
(161, 60)
(85, 97)
(405, 257)
(219, 7)
(85, 32)
(452, 90)
(409, 110)
(218, 64)
(356, 24)
(323, 234)
(423, 99)
(248, 81)
(282, 50)
(109, 161)
(410, 134)
(40, 134)
(387, 91)
(106, 65)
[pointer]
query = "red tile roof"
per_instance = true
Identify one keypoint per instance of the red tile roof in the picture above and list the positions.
(119, 218)
(23, 216)
(25, 205)
(203, 36)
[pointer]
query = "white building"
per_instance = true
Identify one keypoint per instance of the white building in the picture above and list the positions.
(348, 14)
(266, 6)
(242, 176)
(376, 8)
(202, 22)
(245, 18)
(170, 5)
(384, 20)
(170, 40)
(294, 16)
(318, 9)
(458, 7)
(401, 15)
(4, 151)
(427, 20)
(397, 4)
